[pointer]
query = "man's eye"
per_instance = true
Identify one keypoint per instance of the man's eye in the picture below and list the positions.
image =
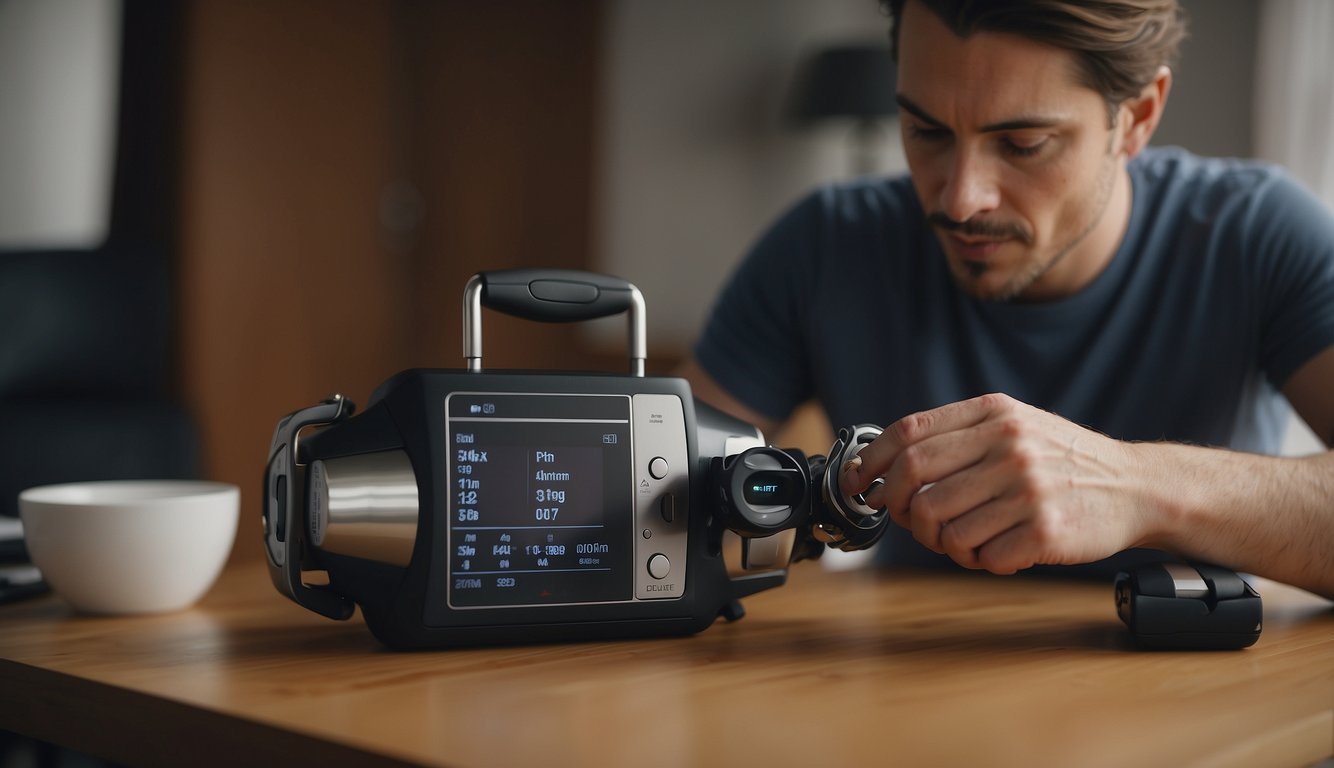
(1024, 148)
(927, 134)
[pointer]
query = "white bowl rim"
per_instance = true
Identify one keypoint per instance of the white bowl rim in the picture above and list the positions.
(105, 493)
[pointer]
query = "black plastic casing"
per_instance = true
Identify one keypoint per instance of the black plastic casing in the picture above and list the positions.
(1229, 618)
(407, 412)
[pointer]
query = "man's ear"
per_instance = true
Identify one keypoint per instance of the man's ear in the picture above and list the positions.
(1140, 115)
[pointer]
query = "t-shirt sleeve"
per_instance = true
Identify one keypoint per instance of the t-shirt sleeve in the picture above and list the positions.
(1293, 232)
(754, 343)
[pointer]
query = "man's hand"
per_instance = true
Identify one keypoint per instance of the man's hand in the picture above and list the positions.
(1000, 485)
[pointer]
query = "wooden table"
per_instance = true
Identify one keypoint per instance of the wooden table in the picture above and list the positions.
(834, 669)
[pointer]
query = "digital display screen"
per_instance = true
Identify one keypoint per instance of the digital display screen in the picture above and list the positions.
(541, 509)
(774, 487)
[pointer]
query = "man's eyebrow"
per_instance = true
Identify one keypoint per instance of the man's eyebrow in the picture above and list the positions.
(908, 105)
(1015, 124)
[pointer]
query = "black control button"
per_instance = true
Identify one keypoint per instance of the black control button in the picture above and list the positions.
(667, 506)
(280, 507)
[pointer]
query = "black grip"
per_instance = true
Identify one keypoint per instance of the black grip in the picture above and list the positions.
(555, 295)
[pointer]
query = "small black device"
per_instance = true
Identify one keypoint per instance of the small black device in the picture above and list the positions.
(1188, 606)
(468, 507)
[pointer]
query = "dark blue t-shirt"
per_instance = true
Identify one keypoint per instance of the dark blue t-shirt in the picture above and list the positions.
(1222, 287)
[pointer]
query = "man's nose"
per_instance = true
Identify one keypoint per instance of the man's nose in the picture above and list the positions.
(970, 186)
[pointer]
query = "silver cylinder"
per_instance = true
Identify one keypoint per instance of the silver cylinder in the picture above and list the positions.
(364, 506)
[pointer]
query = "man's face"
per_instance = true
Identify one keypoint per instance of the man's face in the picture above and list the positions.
(1020, 176)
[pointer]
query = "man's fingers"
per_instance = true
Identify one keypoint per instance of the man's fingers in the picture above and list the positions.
(967, 533)
(964, 510)
(1009, 552)
(932, 460)
(879, 455)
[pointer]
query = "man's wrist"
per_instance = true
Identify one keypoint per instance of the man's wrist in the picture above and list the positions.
(1169, 486)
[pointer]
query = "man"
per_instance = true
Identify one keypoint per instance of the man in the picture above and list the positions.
(1041, 269)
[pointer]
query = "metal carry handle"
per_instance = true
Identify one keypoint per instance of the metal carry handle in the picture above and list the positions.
(551, 296)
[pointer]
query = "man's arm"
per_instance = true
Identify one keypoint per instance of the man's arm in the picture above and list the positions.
(1000, 485)
(1311, 391)
(1264, 515)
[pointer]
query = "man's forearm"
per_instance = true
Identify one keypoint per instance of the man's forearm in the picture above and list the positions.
(1270, 516)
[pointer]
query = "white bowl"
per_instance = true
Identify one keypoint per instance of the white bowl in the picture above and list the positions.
(133, 546)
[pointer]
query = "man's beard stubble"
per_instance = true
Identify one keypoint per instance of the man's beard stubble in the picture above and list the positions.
(1034, 269)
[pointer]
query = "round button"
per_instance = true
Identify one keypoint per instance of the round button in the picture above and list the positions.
(658, 468)
(659, 566)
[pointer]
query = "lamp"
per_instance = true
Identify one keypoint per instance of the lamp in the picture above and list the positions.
(851, 82)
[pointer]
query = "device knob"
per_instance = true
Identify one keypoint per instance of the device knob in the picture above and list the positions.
(843, 520)
(764, 491)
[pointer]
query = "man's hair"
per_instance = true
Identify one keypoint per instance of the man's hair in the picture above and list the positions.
(1118, 44)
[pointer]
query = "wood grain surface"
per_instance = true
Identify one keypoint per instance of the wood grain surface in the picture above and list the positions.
(860, 667)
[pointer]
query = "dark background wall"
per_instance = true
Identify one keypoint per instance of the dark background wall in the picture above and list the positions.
(346, 166)
(1210, 109)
